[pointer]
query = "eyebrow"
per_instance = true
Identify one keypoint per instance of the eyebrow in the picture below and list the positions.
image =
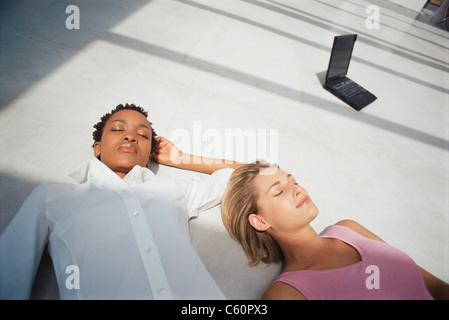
(124, 121)
(277, 182)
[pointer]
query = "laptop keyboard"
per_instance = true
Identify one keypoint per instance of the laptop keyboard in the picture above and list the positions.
(348, 88)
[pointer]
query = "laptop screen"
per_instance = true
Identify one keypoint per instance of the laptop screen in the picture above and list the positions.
(340, 56)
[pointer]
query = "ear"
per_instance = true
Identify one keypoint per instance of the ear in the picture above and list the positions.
(258, 223)
(97, 149)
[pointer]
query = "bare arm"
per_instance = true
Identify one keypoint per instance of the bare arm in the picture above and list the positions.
(282, 291)
(168, 154)
(437, 288)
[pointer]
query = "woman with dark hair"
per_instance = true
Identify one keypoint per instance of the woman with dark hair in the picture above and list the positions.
(122, 232)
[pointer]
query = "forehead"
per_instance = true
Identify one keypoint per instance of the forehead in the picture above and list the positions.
(129, 116)
(268, 176)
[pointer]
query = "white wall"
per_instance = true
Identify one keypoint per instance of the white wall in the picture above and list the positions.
(415, 5)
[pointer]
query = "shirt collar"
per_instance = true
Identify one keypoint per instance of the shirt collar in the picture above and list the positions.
(95, 167)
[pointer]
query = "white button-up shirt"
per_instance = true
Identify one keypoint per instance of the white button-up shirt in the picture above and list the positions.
(112, 238)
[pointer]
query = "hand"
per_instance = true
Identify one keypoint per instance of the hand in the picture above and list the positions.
(166, 153)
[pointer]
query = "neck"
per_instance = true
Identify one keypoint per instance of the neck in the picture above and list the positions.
(301, 249)
(122, 175)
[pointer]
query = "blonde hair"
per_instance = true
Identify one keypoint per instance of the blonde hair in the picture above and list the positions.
(239, 201)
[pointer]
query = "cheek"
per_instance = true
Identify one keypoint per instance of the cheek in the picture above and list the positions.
(275, 210)
(106, 142)
(146, 149)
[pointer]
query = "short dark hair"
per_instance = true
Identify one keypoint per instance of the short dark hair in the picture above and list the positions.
(99, 126)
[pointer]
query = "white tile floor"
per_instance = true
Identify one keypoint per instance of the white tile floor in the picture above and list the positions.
(211, 68)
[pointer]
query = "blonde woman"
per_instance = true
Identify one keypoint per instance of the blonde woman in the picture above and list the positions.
(269, 214)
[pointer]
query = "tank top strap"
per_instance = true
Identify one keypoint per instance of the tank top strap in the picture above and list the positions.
(348, 236)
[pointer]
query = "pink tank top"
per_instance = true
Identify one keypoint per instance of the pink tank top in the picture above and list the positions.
(384, 272)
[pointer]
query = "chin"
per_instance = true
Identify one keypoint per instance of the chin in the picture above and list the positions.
(313, 212)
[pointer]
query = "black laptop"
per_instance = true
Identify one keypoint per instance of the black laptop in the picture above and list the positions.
(337, 82)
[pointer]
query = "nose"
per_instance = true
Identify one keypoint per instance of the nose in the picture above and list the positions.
(129, 138)
(296, 191)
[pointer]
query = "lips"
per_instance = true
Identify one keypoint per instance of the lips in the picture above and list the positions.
(305, 201)
(127, 147)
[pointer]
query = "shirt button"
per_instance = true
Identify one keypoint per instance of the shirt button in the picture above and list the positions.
(136, 214)
(161, 291)
(148, 250)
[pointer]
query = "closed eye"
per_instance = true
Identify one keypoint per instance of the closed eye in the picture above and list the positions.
(279, 193)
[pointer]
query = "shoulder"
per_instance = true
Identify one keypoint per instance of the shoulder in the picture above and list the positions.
(51, 191)
(351, 224)
(39, 192)
(282, 291)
